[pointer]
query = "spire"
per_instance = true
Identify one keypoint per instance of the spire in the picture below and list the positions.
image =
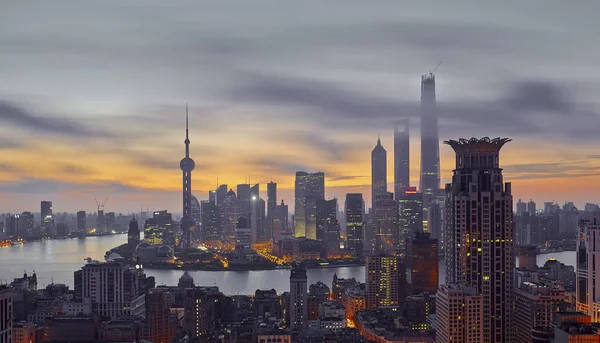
(378, 140)
(187, 139)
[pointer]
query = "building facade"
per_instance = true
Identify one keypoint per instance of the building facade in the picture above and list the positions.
(378, 172)
(298, 297)
(309, 189)
(401, 157)
(382, 280)
(6, 314)
(354, 223)
(459, 311)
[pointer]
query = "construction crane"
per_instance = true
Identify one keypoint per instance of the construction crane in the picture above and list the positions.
(434, 69)
(101, 206)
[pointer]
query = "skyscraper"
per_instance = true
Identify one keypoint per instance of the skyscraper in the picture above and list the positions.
(298, 297)
(410, 215)
(244, 200)
(210, 221)
(26, 224)
(228, 211)
(47, 219)
(422, 264)
(196, 210)
(187, 164)
(6, 315)
(133, 235)
(159, 326)
(378, 172)
(401, 157)
(382, 280)
(280, 225)
(479, 232)
(309, 188)
(459, 312)
(221, 194)
(430, 146)
(81, 222)
(385, 214)
(271, 205)
(588, 263)
(326, 209)
(354, 223)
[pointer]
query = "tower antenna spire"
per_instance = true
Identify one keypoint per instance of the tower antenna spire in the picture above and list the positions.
(186, 121)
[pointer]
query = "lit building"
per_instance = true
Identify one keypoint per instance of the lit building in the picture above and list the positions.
(354, 223)
(244, 199)
(271, 210)
(229, 211)
(158, 326)
(535, 308)
(479, 232)
(113, 288)
(378, 172)
(47, 219)
(459, 312)
(574, 327)
(280, 225)
(401, 157)
(422, 264)
(320, 291)
(22, 332)
(410, 215)
(298, 297)
(326, 210)
(430, 146)
(257, 217)
(309, 188)
(382, 280)
(81, 222)
(385, 219)
(588, 257)
(221, 193)
(210, 221)
(203, 310)
(187, 165)
(6, 314)
(26, 224)
(243, 233)
(196, 209)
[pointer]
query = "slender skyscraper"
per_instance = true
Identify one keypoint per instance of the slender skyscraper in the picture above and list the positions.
(401, 157)
(298, 297)
(187, 165)
(479, 232)
(430, 146)
(271, 205)
(378, 172)
(309, 189)
(354, 209)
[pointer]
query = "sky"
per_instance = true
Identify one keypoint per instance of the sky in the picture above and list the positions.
(93, 94)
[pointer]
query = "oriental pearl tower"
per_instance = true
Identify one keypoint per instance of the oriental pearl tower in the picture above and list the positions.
(187, 165)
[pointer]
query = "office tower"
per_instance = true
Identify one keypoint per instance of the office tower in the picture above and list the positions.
(430, 147)
(401, 157)
(436, 216)
(133, 235)
(521, 207)
(422, 264)
(47, 219)
(298, 297)
(228, 211)
(479, 232)
(212, 196)
(203, 310)
(354, 223)
(113, 289)
(159, 327)
(531, 208)
(187, 164)
(535, 308)
(309, 189)
(326, 209)
(382, 280)
(244, 199)
(271, 206)
(210, 221)
(196, 209)
(410, 215)
(46, 209)
(12, 225)
(6, 315)
(385, 215)
(81, 221)
(280, 225)
(110, 220)
(568, 217)
(378, 172)
(100, 221)
(257, 219)
(26, 225)
(459, 312)
(527, 257)
(588, 257)
(243, 233)
(221, 194)
(331, 237)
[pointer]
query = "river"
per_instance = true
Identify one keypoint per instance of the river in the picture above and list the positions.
(56, 260)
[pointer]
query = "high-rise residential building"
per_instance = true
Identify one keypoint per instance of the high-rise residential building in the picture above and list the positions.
(401, 157)
(6, 314)
(382, 273)
(354, 209)
(479, 232)
(203, 310)
(81, 221)
(521, 207)
(280, 224)
(187, 165)
(243, 233)
(309, 189)
(210, 221)
(159, 326)
(535, 308)
(410, 215)
(385, 218)
(459, 315)
(133, 235)
(378, 172)
(271, 210)
(113, 289)
(229, 212)
(298, 297)
(422, 264)
(527, 255)
(588, 264)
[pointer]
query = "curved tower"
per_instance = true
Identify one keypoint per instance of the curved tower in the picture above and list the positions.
(187, 165)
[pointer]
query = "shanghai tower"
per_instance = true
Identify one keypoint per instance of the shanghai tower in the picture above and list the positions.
(430, 146)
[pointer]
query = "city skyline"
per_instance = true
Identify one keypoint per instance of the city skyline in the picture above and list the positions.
(112, 130)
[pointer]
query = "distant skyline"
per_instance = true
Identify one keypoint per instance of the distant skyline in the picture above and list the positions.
(92, 98)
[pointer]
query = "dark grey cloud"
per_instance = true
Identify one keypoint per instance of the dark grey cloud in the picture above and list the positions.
(44, 124)
(549, 167)
(523, 108)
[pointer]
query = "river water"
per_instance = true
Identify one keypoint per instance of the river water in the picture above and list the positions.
(57, 260)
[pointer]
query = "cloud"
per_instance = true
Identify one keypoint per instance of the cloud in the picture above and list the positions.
(44, 124)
